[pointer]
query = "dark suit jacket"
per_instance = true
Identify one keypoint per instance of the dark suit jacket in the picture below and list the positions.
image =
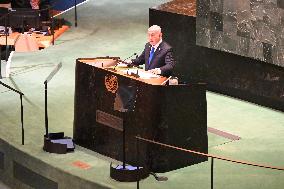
(163, 58)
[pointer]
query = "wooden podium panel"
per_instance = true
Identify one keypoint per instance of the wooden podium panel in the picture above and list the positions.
(175, 114)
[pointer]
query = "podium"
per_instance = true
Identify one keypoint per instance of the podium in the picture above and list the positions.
(174, 114)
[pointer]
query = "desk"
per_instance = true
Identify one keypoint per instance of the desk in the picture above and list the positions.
(11, 39)
(42, 40)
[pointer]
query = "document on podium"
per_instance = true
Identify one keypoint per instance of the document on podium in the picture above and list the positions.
(122, 65)
(142, 74)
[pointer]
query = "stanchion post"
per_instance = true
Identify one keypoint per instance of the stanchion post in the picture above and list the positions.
(212, 171)
(123, 142)
(22, 108)
(46, 115)
(76, 18)
(22, 120)
(137, 161)
(52, 29)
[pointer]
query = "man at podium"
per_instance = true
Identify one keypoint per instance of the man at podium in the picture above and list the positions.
(157, 55)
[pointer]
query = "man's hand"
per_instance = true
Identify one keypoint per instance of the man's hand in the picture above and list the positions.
(156, 71)
(128, 61)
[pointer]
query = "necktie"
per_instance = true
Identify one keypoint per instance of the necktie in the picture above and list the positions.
(151, 54)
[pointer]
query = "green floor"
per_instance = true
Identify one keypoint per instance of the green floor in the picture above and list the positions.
(118, 28)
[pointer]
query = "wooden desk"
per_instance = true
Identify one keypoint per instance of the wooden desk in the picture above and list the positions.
(11, 39)
(46, 41)
(42, 40)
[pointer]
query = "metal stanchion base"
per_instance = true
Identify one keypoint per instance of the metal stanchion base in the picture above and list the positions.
(129, 174)
(57, 143)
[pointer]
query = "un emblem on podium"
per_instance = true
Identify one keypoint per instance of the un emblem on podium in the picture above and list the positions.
(111, 83)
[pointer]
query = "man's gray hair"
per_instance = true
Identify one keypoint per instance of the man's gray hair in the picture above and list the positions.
(155, 28)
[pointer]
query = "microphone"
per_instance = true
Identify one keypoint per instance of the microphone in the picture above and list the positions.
(129, 57)
(123, 61)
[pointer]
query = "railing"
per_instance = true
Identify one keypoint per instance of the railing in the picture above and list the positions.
(22, 109)
(138, 138)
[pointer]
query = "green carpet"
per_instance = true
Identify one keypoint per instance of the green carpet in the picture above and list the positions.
(118, 28)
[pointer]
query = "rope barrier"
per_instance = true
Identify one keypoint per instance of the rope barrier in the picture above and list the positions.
(212, 156)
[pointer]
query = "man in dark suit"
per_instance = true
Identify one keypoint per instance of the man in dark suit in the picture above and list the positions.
(157, 55)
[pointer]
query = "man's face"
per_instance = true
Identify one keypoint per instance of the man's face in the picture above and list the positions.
(154, 37)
